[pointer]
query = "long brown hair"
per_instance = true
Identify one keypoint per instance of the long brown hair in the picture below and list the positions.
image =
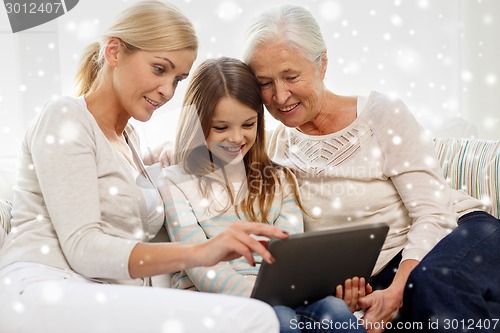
(213, 80)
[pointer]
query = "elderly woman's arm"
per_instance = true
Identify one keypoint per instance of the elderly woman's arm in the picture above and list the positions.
(410, 163)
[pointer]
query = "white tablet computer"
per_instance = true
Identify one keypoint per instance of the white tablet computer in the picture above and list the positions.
(309, 266)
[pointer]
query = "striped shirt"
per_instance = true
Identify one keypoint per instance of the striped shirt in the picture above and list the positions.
(193, 217)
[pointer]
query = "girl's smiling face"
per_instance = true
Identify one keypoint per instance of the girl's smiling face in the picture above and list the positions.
(233, 130)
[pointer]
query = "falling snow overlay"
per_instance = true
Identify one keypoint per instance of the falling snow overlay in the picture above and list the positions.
(441, 57)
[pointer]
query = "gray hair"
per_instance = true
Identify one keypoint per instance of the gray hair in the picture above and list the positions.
(288, 24)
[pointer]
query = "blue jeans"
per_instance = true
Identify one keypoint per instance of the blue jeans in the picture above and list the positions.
(329, 314)
(458, 283)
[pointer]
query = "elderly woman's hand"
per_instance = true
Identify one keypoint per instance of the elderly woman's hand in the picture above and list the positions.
(381, 306)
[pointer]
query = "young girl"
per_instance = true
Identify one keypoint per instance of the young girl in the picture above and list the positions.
(222, 175)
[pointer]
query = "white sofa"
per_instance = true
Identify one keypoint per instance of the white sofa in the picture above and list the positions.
(469, 164)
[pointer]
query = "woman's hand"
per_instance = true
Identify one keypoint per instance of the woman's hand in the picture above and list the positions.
(381, 306)
(353, 290)
(149, 259)
(236, 241)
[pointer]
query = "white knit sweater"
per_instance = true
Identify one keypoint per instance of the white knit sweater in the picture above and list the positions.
(382, 167)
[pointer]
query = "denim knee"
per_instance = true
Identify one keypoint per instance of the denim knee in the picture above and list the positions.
(286, 317)
(328, 308)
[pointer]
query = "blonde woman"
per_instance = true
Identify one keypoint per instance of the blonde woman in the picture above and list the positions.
(78, 255)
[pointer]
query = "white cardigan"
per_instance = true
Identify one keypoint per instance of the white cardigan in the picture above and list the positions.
(76, 204)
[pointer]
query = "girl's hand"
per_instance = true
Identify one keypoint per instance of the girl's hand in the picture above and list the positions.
(353, 290)
(236, 241)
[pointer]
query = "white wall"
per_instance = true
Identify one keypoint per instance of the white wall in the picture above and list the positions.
(480, 65)
(441, 57)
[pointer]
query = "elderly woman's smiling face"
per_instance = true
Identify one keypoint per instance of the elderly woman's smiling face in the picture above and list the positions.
(292, 85)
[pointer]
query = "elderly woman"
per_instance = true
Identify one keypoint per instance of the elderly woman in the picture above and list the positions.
(363, 159)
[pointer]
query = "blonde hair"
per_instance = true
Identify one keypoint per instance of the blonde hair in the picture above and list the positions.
(212, 81)
(147, 25)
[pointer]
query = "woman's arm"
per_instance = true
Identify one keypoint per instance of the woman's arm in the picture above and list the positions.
(66, 148)
(410, 163)
(148, 259)
(383, 305)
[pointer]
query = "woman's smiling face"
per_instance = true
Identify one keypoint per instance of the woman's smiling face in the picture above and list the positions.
(144, 81)
(291, 85)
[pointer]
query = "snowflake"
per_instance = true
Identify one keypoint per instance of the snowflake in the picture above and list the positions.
(316, 211)
(101, 297)
(467, 76)
(336, 203)
(423, 4)
(330, 10)
(228, 10)
(52, 293)
(491, 79)
(50, 139)
(293, 219)
(45, 249)
(139, 233)
(68, 133)
(113, 190)
(172, 326)
(209, 322)
(211, 274)
(396, 20)
(18, 307)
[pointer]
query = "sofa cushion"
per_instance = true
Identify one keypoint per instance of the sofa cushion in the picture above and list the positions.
(472, 165)
(8, 172)
(5, 216)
